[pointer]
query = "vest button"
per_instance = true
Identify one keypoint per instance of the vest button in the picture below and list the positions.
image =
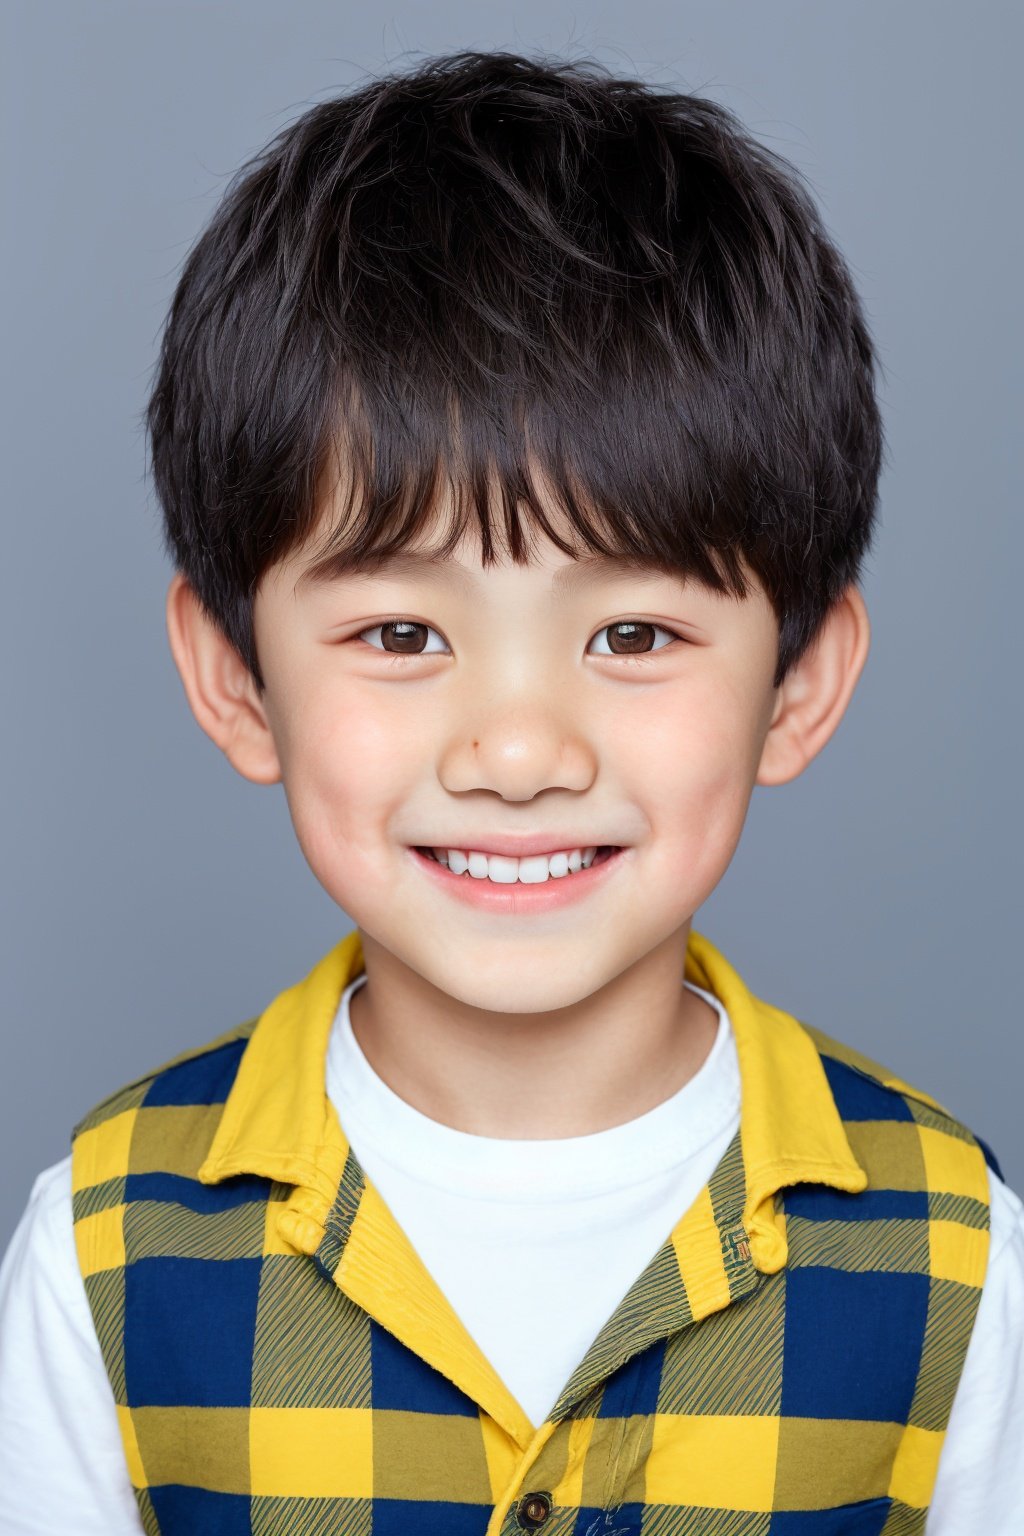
(534, 1509)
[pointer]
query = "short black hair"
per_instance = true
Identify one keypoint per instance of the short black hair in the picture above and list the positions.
(460, 274)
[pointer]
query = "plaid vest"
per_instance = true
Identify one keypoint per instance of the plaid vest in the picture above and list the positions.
(283, 1363)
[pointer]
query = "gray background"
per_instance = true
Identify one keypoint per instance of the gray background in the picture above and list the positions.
(151, 897)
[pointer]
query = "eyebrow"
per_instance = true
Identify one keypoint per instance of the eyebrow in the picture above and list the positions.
(586, 571)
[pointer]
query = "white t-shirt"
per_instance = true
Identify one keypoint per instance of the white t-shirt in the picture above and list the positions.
(592, 1209)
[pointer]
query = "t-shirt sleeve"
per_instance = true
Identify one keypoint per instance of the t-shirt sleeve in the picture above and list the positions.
(980, 1482)
(62, 1460)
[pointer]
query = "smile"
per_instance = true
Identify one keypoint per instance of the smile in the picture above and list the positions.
(539, 883)
(530, 870)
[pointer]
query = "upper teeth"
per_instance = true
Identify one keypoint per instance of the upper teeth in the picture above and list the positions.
(506, 871)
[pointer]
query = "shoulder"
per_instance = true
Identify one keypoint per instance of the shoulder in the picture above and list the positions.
(201, 1075)
(867, 1090)
(847, 1066)
(41, 1256)
(1007, 1228)
(164, 1119)
(48, 1208)
(51, 1190)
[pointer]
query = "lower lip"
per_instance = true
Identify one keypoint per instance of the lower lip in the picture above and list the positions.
(545, 896)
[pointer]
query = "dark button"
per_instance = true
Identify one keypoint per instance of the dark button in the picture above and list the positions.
(534, 1509)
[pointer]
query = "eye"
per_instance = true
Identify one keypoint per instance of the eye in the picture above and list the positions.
(404, 636)
(633, 636)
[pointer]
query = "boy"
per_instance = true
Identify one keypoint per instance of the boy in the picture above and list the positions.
(516, 437)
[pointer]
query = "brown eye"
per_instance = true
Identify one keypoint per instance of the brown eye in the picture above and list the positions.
(400, 637)
(627, 639)
(632, 638)
(408, 638)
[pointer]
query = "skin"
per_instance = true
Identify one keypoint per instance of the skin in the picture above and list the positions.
(519, 717)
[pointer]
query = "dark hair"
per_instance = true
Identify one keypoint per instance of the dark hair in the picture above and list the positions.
(492, 266)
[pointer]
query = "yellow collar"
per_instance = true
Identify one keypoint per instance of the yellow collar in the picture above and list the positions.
(278, 1122)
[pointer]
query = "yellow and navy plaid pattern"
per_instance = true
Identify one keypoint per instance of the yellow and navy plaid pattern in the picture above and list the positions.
(283, 1362)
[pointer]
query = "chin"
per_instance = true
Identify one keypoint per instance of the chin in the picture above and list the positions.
(496, 987)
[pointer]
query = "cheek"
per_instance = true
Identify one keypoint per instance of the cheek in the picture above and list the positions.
(345, 780)
(695, 764)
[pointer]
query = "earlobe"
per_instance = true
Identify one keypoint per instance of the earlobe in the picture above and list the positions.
(219, 687)
(813, 698)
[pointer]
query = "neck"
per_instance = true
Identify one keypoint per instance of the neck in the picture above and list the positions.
(570, 1072)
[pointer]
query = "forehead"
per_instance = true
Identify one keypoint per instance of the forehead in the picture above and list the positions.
(435, 556)
(568, 574)
(436, 537)
(442, 548)
(444, 542)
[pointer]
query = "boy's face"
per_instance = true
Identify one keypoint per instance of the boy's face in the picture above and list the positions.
(524, 714)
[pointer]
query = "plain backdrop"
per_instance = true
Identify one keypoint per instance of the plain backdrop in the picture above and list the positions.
(152, 898)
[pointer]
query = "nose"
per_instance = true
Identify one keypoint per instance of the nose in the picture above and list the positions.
(518, 754)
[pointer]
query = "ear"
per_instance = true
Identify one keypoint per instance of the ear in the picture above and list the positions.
(219, 687)
(812, 700)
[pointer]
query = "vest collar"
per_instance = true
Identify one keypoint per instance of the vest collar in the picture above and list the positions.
(278, 1122)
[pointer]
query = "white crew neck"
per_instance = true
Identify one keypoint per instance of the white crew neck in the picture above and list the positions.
(378, 1120)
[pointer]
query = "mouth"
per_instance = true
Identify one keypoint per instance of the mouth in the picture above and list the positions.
(495, 885)
(596, 854)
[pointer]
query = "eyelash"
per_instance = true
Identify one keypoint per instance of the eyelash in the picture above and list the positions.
(392, 656)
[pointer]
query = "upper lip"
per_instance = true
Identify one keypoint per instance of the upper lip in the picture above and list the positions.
(519, 847)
